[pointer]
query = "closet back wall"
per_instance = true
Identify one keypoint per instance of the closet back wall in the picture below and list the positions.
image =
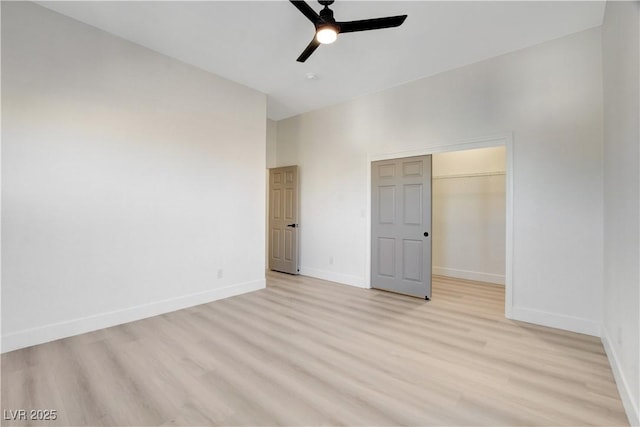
(469, 214)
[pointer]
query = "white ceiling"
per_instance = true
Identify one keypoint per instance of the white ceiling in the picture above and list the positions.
(256, 43)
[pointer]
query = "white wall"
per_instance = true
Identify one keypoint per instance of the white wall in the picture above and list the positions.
(468, 204)
(270, 163)
(271, 144)
(549, 96)
(621, 320)
(132, 184)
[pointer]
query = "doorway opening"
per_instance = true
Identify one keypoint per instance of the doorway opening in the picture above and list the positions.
(494, 275)
(469, 219)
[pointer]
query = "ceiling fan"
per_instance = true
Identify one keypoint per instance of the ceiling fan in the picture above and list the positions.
(327, 28)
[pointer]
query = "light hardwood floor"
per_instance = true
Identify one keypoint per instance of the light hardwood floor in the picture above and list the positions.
(309, 352)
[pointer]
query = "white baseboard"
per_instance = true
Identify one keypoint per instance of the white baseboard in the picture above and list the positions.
(630, 406)
(478, 276)
(331, 276)
(555, 320)
(43, 334)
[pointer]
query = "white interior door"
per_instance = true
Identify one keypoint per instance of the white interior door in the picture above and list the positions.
(283, 220)
(401, 226)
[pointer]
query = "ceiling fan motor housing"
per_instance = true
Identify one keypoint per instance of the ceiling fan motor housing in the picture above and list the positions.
(326, 15)
(327, 21)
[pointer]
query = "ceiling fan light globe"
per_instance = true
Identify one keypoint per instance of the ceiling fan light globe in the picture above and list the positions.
(326, 35)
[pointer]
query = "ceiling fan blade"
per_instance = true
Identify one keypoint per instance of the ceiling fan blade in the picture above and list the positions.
(306, 10)
(309, 50)
(371, 24)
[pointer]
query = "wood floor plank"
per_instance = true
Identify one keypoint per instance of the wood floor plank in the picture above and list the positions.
(309, 352)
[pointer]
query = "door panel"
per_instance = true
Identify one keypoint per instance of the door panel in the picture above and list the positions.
(400, 217)
(387, 204)
(275, 244)
(413, 207)
(412, 260)
(283, 219)
(277, 204)
(289, 200)
(386, 257)
(289, 245)
(412, 168)
(387, 171)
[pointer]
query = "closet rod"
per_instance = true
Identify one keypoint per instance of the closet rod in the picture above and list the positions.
(470, 175)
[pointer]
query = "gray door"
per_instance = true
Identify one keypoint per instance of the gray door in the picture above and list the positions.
(283, 219)
(401, 225)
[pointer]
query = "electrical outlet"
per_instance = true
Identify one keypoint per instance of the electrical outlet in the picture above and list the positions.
(330, 260)
(220, 273)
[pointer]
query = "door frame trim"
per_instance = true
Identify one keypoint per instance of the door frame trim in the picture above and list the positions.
(497, 140)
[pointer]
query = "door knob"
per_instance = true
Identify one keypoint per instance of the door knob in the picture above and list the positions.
(292, 225)
(426, 234)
